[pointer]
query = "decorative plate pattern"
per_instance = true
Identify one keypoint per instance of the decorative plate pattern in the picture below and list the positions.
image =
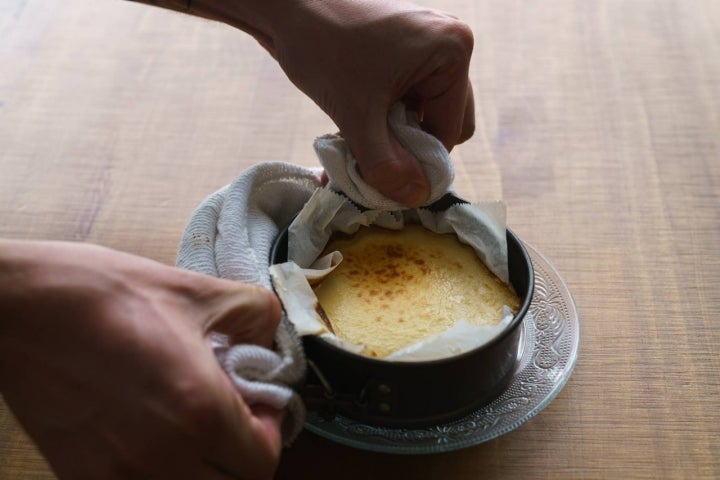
(547, 354)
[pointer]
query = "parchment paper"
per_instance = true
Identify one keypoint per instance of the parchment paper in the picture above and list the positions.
(480, 225)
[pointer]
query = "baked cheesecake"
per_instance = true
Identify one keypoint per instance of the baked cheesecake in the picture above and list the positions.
(395, 288)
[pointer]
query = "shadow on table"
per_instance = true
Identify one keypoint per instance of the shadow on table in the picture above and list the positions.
(312, 456)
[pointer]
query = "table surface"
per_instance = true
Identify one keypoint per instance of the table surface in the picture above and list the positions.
(597, 122)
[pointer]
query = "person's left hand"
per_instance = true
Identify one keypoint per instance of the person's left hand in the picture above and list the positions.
(104, 360)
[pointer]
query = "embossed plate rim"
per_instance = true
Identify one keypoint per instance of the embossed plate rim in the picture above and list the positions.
(411, 440)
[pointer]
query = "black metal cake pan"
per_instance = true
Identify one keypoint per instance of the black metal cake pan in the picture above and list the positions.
(415, 394)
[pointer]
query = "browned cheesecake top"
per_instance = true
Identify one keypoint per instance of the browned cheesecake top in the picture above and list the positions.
(395, 288)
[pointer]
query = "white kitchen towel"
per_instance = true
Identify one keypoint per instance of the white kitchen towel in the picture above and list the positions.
(229, 236)
(341, 166)
(232, 231)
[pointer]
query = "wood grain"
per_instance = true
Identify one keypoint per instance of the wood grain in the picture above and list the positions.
(597, 122)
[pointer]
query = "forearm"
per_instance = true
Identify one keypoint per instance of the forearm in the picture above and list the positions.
(49, 290)
(19, 285)
(39, 283)
(356, 59)
(105, 352)
(255, 17)
(35, 272)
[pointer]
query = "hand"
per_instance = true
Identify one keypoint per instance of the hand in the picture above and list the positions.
(104, 360)
(356, 59)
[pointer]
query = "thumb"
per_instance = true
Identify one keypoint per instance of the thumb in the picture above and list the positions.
(384, 164)
(246, 313)
(269, 421)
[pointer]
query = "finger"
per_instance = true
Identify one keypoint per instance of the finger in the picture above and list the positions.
(246, 313)
(444, 114)
(248, 443)
(269, 422)
(384, 164)
(468, 125)
(446, 89)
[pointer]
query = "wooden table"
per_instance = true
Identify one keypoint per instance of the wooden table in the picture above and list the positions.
(597, 122)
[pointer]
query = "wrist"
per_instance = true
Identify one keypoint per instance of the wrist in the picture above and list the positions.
(259, 18)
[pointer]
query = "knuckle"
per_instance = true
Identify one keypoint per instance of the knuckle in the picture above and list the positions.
(459, 39)
(255, 299)
(263, 299)
(249, 314)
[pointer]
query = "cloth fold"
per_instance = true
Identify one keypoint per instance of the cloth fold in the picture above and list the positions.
(230, 236)
(341, 166)
(232, 231)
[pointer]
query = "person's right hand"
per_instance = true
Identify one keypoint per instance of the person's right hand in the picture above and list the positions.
(104, 360)
(356, 59)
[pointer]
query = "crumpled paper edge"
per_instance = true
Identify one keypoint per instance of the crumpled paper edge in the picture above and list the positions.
(480, 225)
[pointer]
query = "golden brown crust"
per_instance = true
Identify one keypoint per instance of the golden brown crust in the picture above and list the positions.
(395, 288)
